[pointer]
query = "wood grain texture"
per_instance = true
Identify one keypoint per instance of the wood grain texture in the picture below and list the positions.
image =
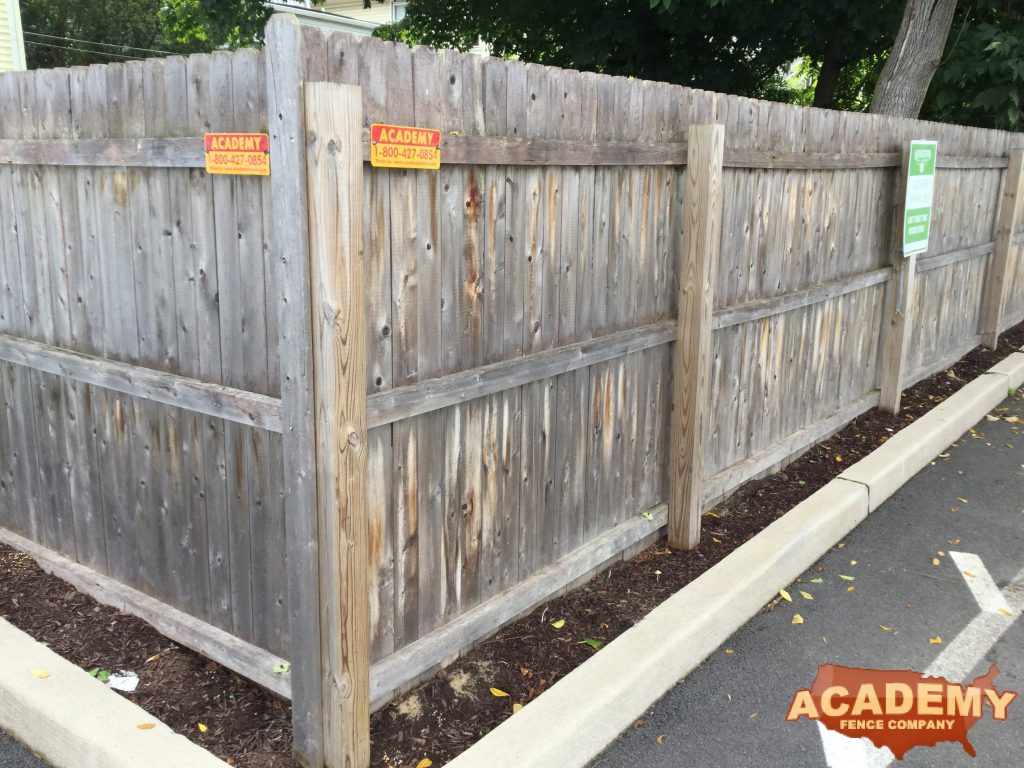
(996, 286)
(290, 247)
(692, 364)
(188, 152)
(441, 392)
(519, 310)
(175, 152)
(145, 383)
(333, 116)
(899, 307)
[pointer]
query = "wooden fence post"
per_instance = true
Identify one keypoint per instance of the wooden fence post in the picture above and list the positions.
(702, 207)
(994, 296)
(899, 304)
(316, 185)
(290, 244)
(334, 177)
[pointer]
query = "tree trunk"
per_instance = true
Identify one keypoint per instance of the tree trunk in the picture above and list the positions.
(828, 79)
(914, 58)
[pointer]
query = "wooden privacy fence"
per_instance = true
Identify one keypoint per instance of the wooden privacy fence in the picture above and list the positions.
(359, 418)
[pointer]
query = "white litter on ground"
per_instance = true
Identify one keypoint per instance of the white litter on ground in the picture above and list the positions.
(123, 681)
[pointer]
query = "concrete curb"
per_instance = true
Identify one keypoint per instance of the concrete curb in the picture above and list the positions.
(74, 721)
(887, 468)
(585, 711)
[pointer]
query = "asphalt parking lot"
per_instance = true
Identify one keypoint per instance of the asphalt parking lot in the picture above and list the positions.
(13, 754)
(935, 571)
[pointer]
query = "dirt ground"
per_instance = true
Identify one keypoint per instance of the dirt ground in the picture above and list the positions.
(251, 728)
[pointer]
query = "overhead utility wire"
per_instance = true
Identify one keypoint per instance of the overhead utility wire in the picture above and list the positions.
(96, 42)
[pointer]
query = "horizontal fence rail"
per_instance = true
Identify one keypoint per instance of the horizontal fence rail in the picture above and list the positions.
(234, 405)
(188, 152)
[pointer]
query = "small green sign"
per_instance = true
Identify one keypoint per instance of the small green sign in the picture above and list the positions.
(917, 207)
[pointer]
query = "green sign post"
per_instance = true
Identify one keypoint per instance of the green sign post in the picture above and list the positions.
(917, 207)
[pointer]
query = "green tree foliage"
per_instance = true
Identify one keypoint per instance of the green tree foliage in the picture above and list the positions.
(740, 46)
(981, 79)
(823, 52)
(208, 24)
(60, 33)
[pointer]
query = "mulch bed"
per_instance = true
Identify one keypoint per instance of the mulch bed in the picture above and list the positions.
(250, 728)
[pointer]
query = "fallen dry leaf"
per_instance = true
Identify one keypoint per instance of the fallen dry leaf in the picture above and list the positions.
(846, 578)
(728, 650)
(884, 628)
(202, 728)
(785, 596)
(498, 692)
(146, 726)
(962, 501)
(806, 595)
(954, 542)
(516, 707)
(426, 762)
(935, 640)
(558, 624)
(970, 574)
(1005, 612)
(42, 674)
(660, 740)
(935, 561)
(798, 619)
(154, 657)
(850, 589)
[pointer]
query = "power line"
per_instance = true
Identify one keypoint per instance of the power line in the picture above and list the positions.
(95, 42)
(83, 50)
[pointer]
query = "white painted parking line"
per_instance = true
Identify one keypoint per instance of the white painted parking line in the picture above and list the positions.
(846, 752)
(974, 641)
(955, 662)
(980, 582)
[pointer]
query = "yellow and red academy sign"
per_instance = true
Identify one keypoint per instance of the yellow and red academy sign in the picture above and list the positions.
(245, 154)
(402, 146)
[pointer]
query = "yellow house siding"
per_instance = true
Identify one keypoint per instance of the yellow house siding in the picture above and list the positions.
(12, 50)
(6, 54)
(378, 13)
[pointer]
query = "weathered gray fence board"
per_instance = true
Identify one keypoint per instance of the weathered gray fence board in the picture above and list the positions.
(519, 306)
(125, 267)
